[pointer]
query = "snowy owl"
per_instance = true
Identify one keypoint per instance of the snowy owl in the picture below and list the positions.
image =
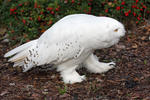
(69, 43)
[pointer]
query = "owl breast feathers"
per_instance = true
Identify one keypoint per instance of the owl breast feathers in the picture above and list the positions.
(69, 43)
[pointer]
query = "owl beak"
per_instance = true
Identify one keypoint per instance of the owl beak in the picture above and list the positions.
(123, 33)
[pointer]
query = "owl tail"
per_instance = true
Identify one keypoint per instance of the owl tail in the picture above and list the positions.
(20, 53)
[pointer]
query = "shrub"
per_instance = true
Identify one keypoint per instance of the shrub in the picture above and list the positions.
(27, 19)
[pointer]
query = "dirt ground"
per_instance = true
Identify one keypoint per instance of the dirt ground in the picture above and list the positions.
(130, 80)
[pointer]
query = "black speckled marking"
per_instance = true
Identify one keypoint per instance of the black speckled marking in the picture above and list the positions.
(30, 52)
(34, 62)
(25, 62)
(27, 59)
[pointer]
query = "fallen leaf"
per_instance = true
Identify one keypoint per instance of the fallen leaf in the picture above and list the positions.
(4, 92)
(143, 37)
(135, 46)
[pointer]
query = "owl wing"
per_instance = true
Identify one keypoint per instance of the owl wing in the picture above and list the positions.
(59, 51)
(63, 41)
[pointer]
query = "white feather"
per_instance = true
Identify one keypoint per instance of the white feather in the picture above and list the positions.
(18, 64)
(19, 56)
(20, 48)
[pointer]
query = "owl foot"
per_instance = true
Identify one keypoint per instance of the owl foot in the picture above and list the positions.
(104, 67)
(69, 74)
(94, 66)
(70, 78)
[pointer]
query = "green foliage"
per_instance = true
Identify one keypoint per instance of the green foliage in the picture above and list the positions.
(27, 19)
(63, 91)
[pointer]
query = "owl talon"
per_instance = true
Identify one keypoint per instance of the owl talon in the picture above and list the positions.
(112, 64)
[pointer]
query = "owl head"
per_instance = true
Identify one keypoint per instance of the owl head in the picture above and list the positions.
(115, 28)
(109, 33)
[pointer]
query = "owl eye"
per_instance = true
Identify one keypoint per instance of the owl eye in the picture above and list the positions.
(116, 30)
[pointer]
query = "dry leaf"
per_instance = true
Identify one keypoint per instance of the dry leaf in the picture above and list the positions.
(2, 31)
(135, 46)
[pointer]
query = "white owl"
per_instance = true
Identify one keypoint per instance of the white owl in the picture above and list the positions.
(68, 43)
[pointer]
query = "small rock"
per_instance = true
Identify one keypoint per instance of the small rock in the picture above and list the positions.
(28, 87)
(119, 46)
(5, 41)
(5, 36)
(53, 76)
(11, 84)
(45, 91)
